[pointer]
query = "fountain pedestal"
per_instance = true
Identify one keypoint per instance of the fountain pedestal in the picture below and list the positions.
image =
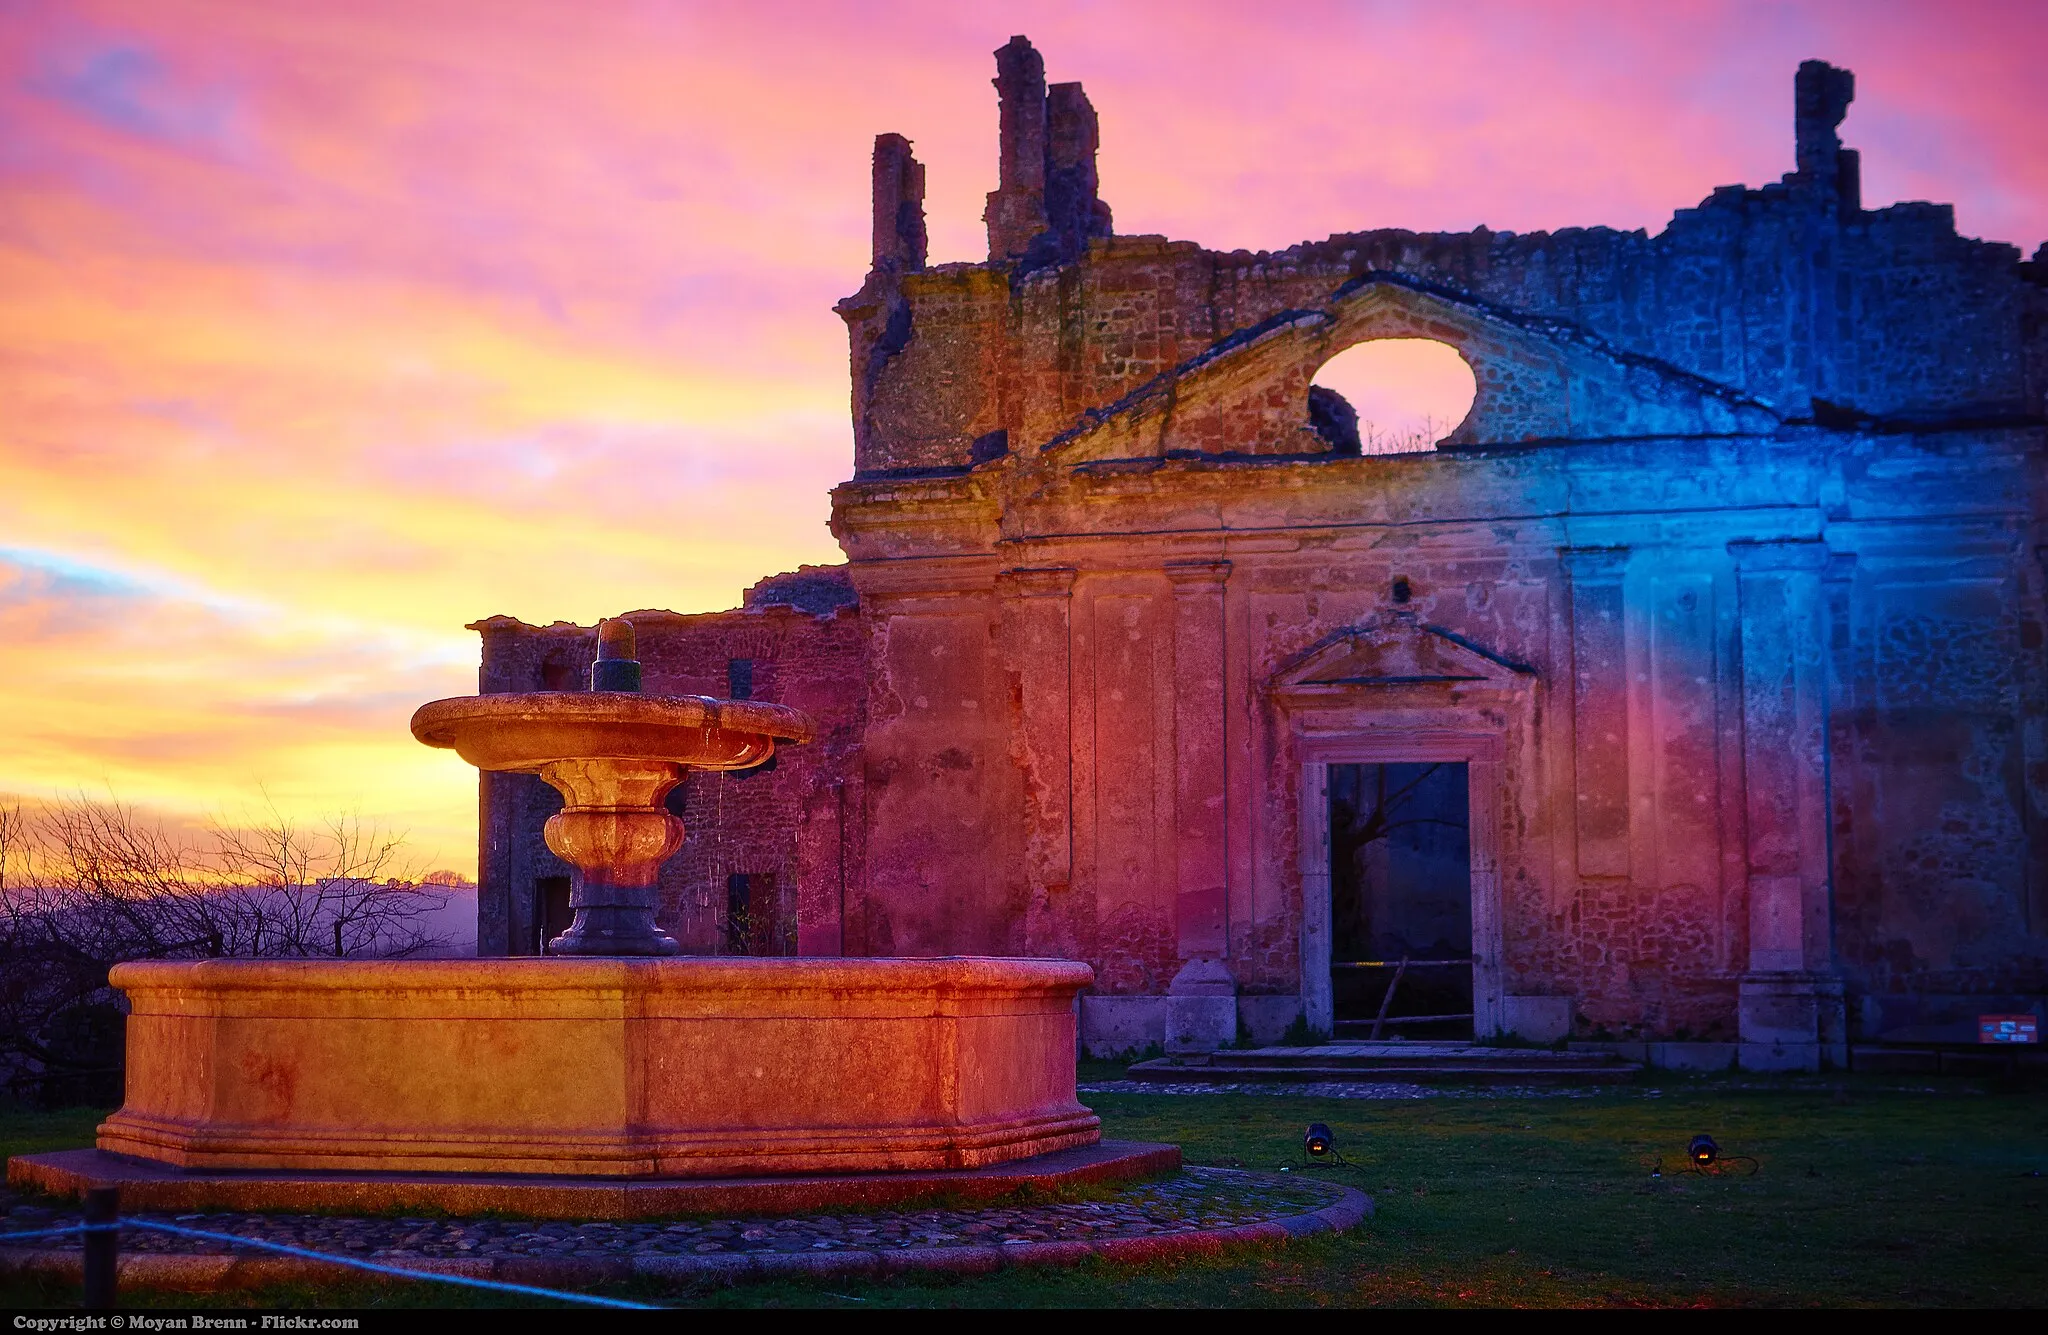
(613, 829)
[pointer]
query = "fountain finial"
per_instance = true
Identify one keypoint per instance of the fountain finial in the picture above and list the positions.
(616, 668)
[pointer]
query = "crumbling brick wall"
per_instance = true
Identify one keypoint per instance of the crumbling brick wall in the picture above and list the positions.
(796, 641)
(1793, 294)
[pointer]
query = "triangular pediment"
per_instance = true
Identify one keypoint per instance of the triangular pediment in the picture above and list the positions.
(1395, 650)
(1539, 379)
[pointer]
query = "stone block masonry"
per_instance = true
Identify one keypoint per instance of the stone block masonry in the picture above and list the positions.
(786, 829)
(1726, 596)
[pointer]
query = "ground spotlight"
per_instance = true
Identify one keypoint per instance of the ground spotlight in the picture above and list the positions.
(1703, 1156)
(1318, 1146)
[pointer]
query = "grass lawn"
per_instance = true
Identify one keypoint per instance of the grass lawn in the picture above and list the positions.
(1874, 1190)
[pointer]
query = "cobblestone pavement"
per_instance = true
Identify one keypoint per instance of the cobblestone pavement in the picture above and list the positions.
(1343, 1089)
(1195, 1199)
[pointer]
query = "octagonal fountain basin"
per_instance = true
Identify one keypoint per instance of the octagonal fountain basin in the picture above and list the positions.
(622, 1068)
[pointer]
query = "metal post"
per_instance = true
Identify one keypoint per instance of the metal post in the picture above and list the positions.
(1387, 1001)
(102, 1247)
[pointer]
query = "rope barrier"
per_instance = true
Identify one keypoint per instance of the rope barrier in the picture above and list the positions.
(51, 1232)
(285, 1249)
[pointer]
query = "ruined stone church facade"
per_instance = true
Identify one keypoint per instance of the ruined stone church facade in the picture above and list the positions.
(1724, 606)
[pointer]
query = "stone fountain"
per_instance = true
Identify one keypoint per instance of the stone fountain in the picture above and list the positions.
(615, 1059)
(613, 754)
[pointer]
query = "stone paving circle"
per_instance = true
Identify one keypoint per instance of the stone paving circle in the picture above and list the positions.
(1196, 1209)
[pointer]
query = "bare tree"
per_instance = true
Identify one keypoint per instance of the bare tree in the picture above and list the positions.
(76, 897)
(85, 885)
(100, 877)
(1414, 438)
(338, 889)
(1364, 825)
(12, 832)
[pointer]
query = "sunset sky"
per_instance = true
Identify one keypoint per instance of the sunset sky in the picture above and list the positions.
(326, 328)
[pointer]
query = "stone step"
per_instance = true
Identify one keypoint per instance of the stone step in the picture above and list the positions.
(1947, 1059)
(1376, 1055)
(1166, 1070)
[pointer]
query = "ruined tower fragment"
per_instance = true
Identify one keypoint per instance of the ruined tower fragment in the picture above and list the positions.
(1016, 207)
(899, 206)
(1071, 206)
(1044, 208)
(1821, 95)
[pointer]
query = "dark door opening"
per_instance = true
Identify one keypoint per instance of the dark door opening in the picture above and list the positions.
(1401, 900)
(551, 912)
(750, 917)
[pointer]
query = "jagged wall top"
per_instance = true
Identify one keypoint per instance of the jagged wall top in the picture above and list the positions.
(1792, 296)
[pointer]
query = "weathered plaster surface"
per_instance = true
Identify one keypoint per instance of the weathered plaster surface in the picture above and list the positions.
(1728, 588)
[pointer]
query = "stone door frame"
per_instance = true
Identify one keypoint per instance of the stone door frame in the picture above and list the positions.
(1481, 752)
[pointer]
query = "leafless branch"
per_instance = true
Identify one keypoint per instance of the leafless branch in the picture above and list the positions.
(86, 884)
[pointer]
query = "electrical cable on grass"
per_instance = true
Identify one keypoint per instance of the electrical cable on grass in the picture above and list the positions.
(1715, 1169)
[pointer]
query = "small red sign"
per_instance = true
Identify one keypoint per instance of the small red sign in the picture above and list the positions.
(2008, 1029)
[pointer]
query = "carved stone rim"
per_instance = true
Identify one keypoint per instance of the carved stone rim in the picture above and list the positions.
(622, 724)
(717, 973)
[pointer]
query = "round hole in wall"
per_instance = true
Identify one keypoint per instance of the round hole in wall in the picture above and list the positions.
(1408, 393)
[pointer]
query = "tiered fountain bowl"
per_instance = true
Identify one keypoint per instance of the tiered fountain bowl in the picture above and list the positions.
(617, 1057)
(614, 756)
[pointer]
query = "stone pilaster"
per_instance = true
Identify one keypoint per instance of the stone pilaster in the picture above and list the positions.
(1202, 1004)
(1037, 609)
(1201, 1008)
(1201, 833)
(1600, 779)
(1790, 999)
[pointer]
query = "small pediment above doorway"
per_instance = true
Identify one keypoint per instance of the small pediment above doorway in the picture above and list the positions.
(1395, 651)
